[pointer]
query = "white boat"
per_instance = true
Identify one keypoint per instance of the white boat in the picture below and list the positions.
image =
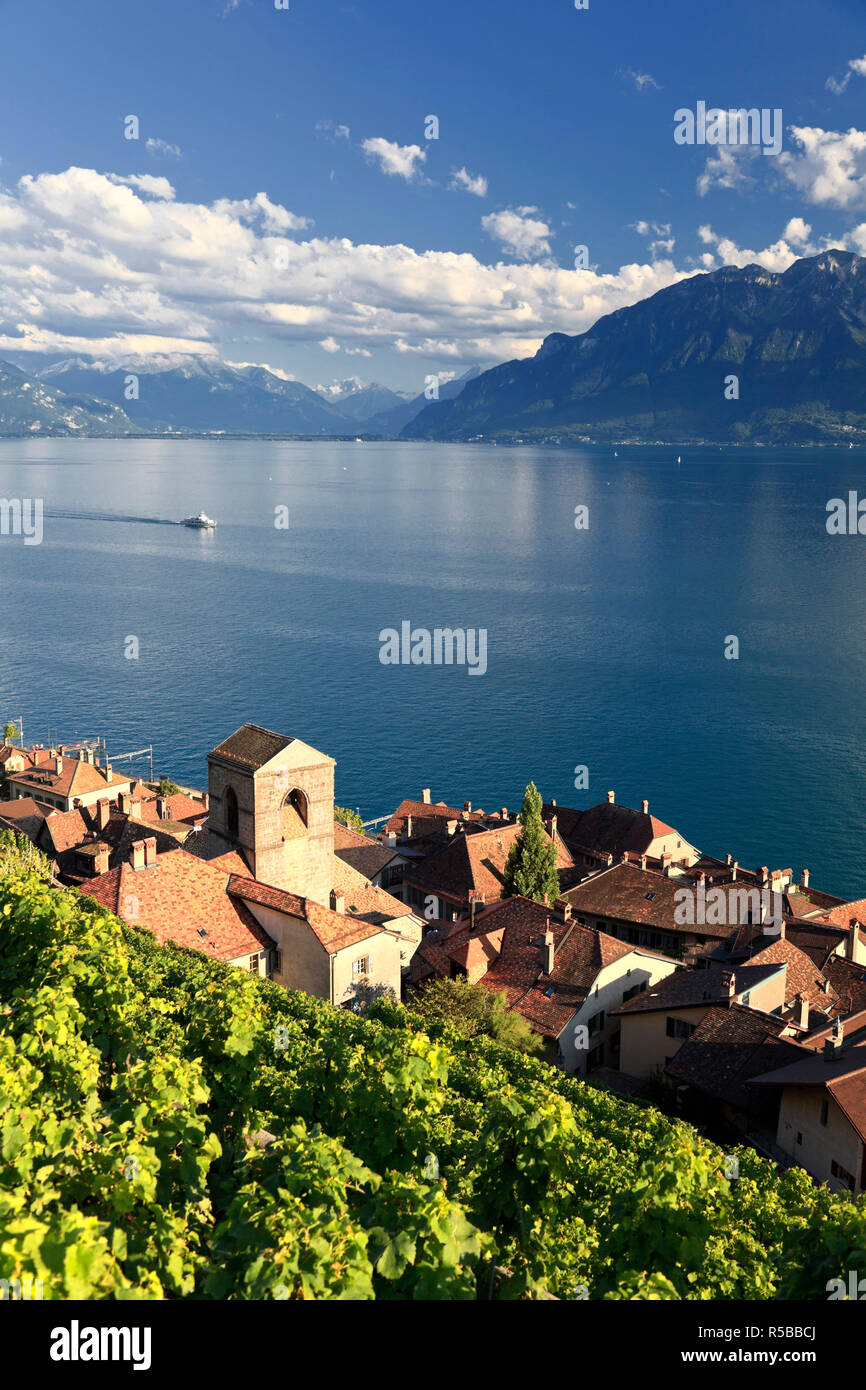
(199, 523)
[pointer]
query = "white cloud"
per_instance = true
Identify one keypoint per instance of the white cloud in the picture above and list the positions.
(644, 228)
(830, 167)
(520, 233)
(656, 248)
(404, 161)
(334, 132)
(93, 265)
(154, 184)
(837, 85)
(641, 80)
(726, 169)
(470, 183)
(157, 146)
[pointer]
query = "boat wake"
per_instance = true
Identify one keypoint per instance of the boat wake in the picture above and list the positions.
(110, 516)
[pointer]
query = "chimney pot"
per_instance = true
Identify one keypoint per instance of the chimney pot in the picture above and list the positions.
(425, 796)
(338, 901)
(611, 798)
(644, 806)
(833, 1044)
(804, 879)
(547, 950)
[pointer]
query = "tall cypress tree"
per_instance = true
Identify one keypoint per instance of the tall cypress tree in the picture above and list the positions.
(530, 868)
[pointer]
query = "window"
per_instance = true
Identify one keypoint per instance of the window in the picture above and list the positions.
(254, 964)
(231, 812)
(276, 962)
(799, 1136)
(294, 815)
(595, 1058)
(677, 1028)
(635, 989)
(596, 1023)
(360, 967)
(745, 999)
(842, 1174)
(825, 1111)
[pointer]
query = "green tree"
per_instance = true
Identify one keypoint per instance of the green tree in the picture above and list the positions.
(11, 731)
(167, 787)
(530, 869)
(475, 1011)
(349, 818)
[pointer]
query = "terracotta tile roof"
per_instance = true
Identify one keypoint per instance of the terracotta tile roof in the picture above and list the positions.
(333, 930)
(687, 989)
(844, 1077)
(76, 778)
(848, 983)
(627, 893)
(802, 976)
(212, 850)
(847, 913)
(368, 856)
(728, 1047)
(181, 809)
(364, 899)
(472, 864)
(608, 828)
(252, 746)
(183, 900)
(504, 954)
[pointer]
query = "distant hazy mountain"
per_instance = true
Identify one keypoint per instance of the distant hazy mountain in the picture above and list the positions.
(359, 402)
(31, 407)
(199, 395)
(796, 342)
(394, 420)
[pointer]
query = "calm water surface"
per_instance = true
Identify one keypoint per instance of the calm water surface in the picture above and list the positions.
(605, 647)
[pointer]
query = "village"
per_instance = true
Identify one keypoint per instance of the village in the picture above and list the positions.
(748, 1020)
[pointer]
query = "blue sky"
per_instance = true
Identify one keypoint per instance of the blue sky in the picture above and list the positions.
(394, 263)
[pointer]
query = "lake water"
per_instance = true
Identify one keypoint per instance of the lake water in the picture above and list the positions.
(605, 646)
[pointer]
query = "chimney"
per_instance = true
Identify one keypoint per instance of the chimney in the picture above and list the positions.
(205, 801)
(503, 812)
(162, 807)
(391, 840)
(76, 804)
(666, 862)
(554, 821)
(547, 950)
(108, 771)
(802, 1015)
(408, 827)
(136, 855)
(467, 806)
(728, 859)
(100, 860)
(611, 798)
(643, 861)
(425, 796)
(833, 1044)
(644, 806)
(734, 869)
(338, 901)
(124, 802)
(553, 801)
(149, 852)
(103, 811)
(451, 827)
(623, 858)
(609, 858)
(564, 907)
(804, 879)
(764, 873)
(729, 987)
(58, 764)
(853, 941)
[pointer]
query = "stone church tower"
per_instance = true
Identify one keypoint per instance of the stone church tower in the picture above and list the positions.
(272, 798)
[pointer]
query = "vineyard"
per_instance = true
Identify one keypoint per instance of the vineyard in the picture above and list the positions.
(173, 1128)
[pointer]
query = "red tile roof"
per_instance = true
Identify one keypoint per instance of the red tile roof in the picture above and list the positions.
(473, 863)
(183, 900)
(76, 778)
(608, 828)
(333, 930)
(728, 1047)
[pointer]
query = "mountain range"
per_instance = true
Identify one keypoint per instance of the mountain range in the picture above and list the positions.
(734, 355)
